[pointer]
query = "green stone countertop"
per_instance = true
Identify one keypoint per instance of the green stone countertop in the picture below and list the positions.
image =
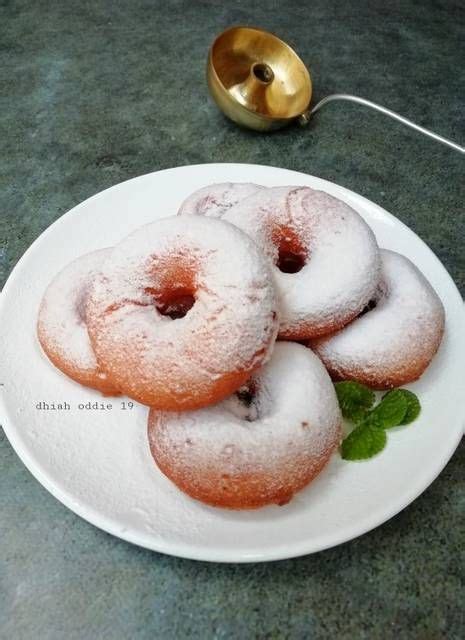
(98, 91)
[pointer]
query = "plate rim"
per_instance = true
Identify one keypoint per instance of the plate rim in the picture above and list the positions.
(203, 552)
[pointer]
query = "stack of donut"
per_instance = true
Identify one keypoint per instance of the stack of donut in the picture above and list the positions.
(229, 321)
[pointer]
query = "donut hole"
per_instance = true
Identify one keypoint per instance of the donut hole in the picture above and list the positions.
(174, 287)
(380, 293)
(290, 262)
(291, 254)
(246, 397)
(173, 303)
(371, 304)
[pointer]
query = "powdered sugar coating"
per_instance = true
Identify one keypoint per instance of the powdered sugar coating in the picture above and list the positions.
(61, 325)
(206, 355)
(242, 457)
(342, 266)
(216, 199)
(393, 343)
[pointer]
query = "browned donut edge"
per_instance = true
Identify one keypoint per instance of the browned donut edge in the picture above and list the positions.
(382, 379)
(239, 493)
(310, 331)
(83, 377)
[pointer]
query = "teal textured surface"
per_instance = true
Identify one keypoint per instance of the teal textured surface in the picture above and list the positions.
(98, 92)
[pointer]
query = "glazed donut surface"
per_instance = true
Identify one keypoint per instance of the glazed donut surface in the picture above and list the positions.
(215, 274)
(259, 446)
(393, 343)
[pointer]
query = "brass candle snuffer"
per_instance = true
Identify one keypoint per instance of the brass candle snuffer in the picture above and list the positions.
(259, 82)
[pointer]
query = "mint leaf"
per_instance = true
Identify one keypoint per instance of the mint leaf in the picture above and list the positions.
(364, 442)
(390, 412)
(413, 405)
(354, 399)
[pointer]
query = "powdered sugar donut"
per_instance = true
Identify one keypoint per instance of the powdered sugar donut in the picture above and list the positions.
(183, 312)
(261, 445)
(215, 199)
(394, 341)
(325, 257)
(61, 326)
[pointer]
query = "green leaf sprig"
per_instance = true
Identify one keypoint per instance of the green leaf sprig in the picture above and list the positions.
(397, 407)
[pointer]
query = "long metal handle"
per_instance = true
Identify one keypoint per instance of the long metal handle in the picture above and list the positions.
(387, 112)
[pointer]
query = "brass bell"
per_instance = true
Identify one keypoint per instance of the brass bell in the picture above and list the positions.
(259, 82)
(256, 79)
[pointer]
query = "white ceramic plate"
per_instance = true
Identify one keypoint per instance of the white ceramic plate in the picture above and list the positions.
(97, 462)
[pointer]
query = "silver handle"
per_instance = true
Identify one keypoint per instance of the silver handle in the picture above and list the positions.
(387, 112)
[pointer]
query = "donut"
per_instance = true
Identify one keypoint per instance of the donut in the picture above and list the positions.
(61, 325)
(397, 335)
(215, 199)
(259, 446)
(324, 256)
(183, 312)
